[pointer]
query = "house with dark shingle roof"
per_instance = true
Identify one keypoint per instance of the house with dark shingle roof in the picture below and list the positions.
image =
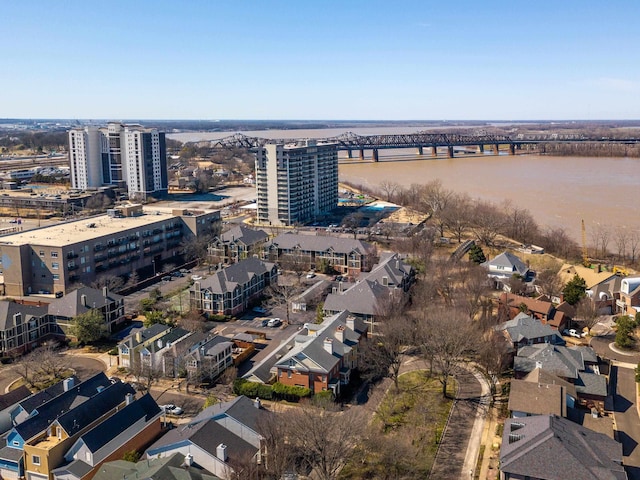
(324, 355)
(27, 407)
(173, 358)
(208, 359)
(547, 447)
(347, 256)
(8, 402)
(23, 327)
(133, 427)
(525, 330)
(501, 268)
(220, 436)
(231, 290)
(237, 243)
(151, 353)
(577, 365)
(176, 466)
(528, 398)
(45, 451)
(84, 299)
(129, 348)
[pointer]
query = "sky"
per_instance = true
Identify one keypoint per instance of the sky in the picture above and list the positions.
(320, 60)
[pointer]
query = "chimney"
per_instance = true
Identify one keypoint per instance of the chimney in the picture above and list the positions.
(105, 291)
(128, 399)
(398, 264)
(83, 300)
(328, 345)
(385, 281)
(221, 452)
(257, 403)
(188, 460)
(67, 384)
(351, 322)
(538, 364)
(340, 333)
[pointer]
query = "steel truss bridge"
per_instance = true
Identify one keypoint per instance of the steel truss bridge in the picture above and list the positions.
(351, 142)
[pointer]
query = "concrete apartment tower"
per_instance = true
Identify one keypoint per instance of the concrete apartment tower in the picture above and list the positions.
(123, 155)
(297, 182)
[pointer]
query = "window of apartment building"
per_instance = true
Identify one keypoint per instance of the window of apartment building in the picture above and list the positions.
(56, 276)
(42, 253)
(55, 265)
(88, 269)
(82, 260)
(35, 459)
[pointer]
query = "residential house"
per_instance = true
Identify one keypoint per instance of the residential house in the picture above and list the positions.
(237, 243)
(177, 466)
(45, 451)
(501, 268)
(219, 437)
(82, 300)
(130, 347)
(577, 365)
(231, 290)
(173, 358)
(601, 286)
(8, 402)
(324, 355)
(346, 256)
(629, 301)
(28, 407)
(133, 427)
(23, 327)
(540, 376)
(363, 299)
(209, 359)
(525, 330)
(541, 308)
(548, 447)
(151, 353)
(528, 398)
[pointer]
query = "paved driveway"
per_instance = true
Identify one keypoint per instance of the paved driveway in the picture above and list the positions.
(627, 423)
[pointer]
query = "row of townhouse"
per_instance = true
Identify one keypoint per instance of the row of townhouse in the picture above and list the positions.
(67, 431)
(173, 352)
(24, 326)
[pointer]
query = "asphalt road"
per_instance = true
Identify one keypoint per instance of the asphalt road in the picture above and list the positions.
(601, 346)
(623, 385)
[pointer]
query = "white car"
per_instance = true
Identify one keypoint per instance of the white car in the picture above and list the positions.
(311, 275)
(195, 278)
(172, 409)
(574, 333)
(274, 322)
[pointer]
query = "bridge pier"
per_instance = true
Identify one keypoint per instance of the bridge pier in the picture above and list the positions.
(349, 153)
(512, 149)
(362, 154)
(434, 151)
(480, 148)
(420, 152)
(450, 151)
(496, 149)
(374, 155)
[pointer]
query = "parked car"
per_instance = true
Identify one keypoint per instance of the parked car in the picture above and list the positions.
(311, 275)
(185, 271)
(196, 277)
(574, 333)
(274, 322)
(177, 274)
(259, 310)
(171, 409)
(265, 322)
(167, 278)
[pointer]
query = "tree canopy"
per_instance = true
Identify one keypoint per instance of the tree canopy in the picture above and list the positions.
(574, 290)
(89, 326)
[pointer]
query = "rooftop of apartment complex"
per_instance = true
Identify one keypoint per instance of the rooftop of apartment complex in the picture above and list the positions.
(94, 227)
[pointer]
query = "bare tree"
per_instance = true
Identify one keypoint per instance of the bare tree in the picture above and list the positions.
(448, 339)
(488, 222)
(295, 262)
(280, 295)
(587, 312)
(493, 355)
(621, 240)
(278, 456)
(519, 223)
(395, 332)
(389, 189)
(323, 438)
(112, 282)
(457, 216)
(549, 283)
(194, 322)
(43, 366)
(474, 287)
(634, 243)
(435, 201)
(601, 236)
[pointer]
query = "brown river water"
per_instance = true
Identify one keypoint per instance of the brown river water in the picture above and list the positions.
(558, 191)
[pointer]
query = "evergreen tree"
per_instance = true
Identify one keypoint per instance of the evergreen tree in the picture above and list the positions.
(476, 255)
(574, 290)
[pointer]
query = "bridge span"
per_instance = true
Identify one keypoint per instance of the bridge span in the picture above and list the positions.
(351, 142)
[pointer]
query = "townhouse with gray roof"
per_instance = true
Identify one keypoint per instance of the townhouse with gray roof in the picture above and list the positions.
(133, 427)
(345, 255)
(323, 356)
(151, 353)
(8, 402)
(130, 347)
(237, 243)
(210, 358)
(548, 447)
(82, 300)
(219, 437)
(501, 268)
(173, 358)
(230, 291)
(23, 327)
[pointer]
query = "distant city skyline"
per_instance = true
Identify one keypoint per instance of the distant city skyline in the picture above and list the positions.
(354, 60)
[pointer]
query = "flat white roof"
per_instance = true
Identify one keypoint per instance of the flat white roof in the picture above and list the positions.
(79, 231)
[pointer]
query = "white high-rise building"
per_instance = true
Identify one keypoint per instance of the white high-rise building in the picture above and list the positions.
(122, 155)
(296, 183)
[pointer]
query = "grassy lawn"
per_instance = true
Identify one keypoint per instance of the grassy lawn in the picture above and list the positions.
(402, 439)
